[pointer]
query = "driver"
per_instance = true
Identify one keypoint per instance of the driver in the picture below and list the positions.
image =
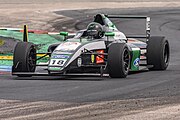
(95, 30)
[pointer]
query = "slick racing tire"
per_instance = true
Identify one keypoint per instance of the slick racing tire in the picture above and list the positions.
(118, 60)
(158, 52)
(24, 58)
(52, 47)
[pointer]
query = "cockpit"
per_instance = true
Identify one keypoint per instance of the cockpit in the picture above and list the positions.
(93, 31)
(97, 28)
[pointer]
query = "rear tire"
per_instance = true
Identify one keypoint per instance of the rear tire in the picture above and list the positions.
(24, 58)
(118, 60)
(158, 53)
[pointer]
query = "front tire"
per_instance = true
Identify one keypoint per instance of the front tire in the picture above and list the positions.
(52, 47)
(158, 52)
(118, 60)
(24, 58)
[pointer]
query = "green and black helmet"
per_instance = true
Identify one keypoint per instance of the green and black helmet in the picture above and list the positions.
(95, 30)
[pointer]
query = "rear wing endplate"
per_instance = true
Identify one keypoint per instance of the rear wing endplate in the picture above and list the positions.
(147, 36)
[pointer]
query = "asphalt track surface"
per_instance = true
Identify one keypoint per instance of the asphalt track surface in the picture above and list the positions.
(80, 90)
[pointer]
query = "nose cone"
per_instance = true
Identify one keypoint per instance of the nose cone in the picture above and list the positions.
(61, 55)
(67, 47)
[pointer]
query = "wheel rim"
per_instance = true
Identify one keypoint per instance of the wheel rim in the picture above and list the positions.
(166, 53)
(31, 60)
(126, 60)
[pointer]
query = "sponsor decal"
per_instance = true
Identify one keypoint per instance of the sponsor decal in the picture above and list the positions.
(62, 53)
(67, 46)
(100, 58)
(148, 23)
(119, 36)
(92, 58)
(136, 62)
(55, 68)
(57, 62)
(79, 62)
(60, 56)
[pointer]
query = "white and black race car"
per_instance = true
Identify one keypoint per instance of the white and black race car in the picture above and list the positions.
(99, 49)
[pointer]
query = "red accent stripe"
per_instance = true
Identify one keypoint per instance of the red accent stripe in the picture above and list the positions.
(36, 31)
(4, 73)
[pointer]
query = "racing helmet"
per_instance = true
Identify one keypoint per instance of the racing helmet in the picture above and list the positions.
(95, 30)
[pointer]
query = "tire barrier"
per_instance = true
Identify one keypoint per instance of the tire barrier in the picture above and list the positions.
(5, 68)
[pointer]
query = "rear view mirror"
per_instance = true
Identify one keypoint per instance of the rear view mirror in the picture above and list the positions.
(65, 34)
(109, 34)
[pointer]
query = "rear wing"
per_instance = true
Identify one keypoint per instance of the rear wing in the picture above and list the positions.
(147, 36)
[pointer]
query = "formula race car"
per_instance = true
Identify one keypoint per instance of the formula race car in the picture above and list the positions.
(100, 49)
